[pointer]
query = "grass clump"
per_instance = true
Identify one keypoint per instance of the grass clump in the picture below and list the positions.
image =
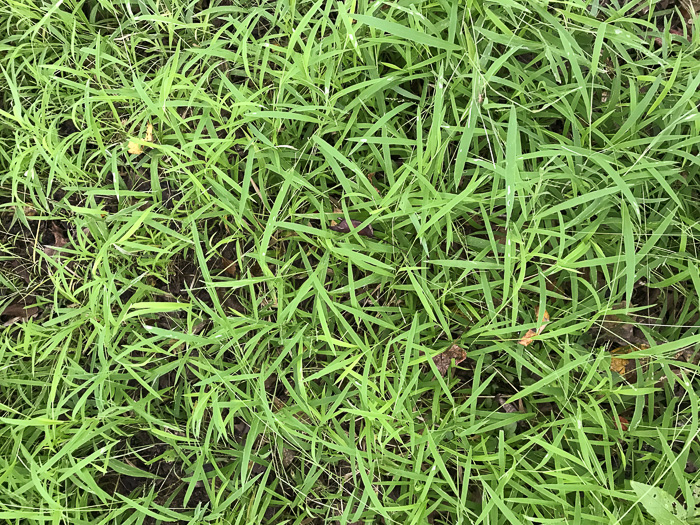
(193, 334)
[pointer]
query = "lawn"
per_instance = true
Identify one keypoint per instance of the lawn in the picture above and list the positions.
(349, 262)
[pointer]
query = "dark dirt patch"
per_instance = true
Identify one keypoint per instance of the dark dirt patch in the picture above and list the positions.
(150, 455)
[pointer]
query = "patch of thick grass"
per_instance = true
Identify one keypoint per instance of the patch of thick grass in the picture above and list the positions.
(205, 348)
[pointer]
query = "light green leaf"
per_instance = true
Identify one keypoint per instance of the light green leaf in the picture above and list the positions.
(663, 507)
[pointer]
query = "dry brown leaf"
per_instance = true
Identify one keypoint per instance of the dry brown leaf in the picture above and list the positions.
(20, 270)
(288, 455)
(618, 328)
(336, 210)
(622, 423)
(277, 404)
(229, 266)
(688, 9)
(688, 355)
(530, 334)
(370, 176)
(21, 310)
(624, 366)
(510, 407)
(442, 361)
(344, 227)
(619, 365)
(59, 240)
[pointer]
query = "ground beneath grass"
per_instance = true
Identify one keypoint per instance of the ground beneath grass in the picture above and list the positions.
(360, 262)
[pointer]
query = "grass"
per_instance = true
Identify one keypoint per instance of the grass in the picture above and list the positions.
(205, 348)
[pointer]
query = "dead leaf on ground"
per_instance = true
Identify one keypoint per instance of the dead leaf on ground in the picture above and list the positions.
(624, 366)
(288, 455)
(619, 328)
(688, 9)
(510, 407)
(135, 148)
(59, 240)
(688, 355)
(229, 266)
(619, 365)
(442, 361)
(344, 227)
(622, 423)
(241, 429)
(20, 310)
(339, 212)
(20, 270)
(370, 176)
(658, 42)
(527, 338)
